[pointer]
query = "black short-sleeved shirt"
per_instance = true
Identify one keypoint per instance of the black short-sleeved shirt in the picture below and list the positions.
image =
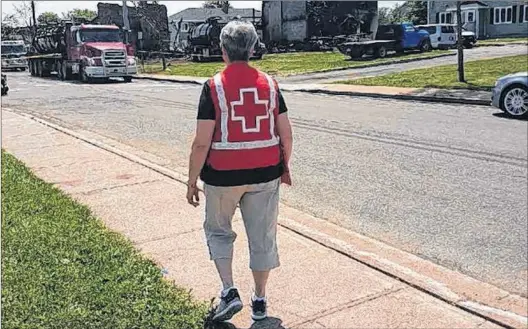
(206, 111)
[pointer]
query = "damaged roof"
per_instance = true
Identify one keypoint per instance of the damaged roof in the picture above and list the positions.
(201, 14)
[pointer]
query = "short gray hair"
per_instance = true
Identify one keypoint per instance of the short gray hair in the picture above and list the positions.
(238, 38)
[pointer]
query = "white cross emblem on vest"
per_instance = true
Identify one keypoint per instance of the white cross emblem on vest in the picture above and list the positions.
(258, 103)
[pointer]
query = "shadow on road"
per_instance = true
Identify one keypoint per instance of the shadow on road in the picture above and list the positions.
(503, 115)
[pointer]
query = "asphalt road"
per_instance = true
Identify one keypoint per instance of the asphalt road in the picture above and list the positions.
(350, 74)
(446, 182)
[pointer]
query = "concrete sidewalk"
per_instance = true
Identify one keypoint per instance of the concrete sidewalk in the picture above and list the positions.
(316, 287)
(459, 96)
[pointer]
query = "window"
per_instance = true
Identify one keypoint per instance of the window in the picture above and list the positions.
(503, 15)
(185, 27)
(445, 18)
(470, 16)
(430, 29)
(525, 14)
(448, 29)
(409, 28)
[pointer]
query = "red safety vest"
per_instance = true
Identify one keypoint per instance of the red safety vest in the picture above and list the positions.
(246, 103)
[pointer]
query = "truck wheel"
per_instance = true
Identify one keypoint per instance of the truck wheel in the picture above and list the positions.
(31, 68)
(127, 79)
(23, 69)
(425, 46)
(40, 71)
(60, 72)
(381, 52)
(84, 78)
(356, 53)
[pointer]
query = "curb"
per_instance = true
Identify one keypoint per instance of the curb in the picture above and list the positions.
(501, 44)
(429, 99)
(371, 253)
(188, 81)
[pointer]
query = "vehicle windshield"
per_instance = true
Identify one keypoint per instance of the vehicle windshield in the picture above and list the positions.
(430, 29)
(101, 35)
(11, 49)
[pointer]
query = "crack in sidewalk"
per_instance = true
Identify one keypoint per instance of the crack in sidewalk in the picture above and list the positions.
(94, 191)
(347, 305)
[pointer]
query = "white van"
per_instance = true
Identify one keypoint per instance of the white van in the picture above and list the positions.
(443, 36)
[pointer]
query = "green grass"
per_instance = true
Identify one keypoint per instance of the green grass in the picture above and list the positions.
(480, 75)
(62, 269)
(503, 41)
(286, 64)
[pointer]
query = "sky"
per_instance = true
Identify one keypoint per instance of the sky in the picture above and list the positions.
(172, 6)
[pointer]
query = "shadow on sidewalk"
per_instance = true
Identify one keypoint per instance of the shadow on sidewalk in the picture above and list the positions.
(269, 323)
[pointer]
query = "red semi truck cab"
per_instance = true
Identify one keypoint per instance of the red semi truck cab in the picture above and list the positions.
(86, 52)
(99, 51)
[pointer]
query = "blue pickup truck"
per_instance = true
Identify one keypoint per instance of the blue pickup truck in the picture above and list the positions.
(391, 37)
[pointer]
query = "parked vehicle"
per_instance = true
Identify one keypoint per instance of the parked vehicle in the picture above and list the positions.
(511, 94)
(87, 52)
(14, 55)
(204, 41)
(469, 38)
(443, 36)
(392, 37)
(5, 88)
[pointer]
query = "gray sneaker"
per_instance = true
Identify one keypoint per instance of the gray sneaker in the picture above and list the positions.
(258, 309)
(230, 304)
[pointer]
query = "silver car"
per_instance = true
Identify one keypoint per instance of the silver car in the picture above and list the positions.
(511, 94)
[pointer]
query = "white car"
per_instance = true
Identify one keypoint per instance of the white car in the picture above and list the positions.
(443, 36)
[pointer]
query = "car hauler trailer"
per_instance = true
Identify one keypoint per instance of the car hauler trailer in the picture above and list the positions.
(86, 52)
(391, 37)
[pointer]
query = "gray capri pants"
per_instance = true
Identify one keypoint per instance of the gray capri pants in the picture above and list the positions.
(259, 205)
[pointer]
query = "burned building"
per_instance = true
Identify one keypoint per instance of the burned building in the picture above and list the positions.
(301, 20)
(148, 21)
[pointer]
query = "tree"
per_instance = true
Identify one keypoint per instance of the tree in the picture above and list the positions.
(80, 13)
(460, 44)
(417, 12)
(19, 22)
(399, 13)
(47, 17)
(9, 26)
(385, 15)
(22, 13)
(216, 4)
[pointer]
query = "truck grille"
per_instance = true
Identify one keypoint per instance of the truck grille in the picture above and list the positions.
(114, 58)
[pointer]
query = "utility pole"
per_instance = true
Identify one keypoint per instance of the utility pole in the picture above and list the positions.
(460, 43)
(33, 13)
(126, 23)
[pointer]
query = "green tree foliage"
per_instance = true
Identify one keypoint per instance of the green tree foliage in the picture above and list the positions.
(81, 13)
(385, 16)
(47, 17)
(215, 4)
(409, 11)
(417, 12)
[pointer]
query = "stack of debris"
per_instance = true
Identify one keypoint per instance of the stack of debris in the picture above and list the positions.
(148, 21)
